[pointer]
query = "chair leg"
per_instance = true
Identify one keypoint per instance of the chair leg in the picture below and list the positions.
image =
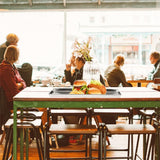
(151, 147)
(90, 147)
(56, 142)
(8, 134)
(9, 144)
(137, 145)
(84, 122)
(37, 142)
(104, 145)
(86, 145)
(98, 120)
(100, 144)
(2, 138)
(128, 153)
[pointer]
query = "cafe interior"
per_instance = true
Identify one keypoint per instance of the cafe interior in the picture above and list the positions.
(55, 118)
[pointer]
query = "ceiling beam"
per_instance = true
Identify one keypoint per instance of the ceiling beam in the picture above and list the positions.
(30, 2)
(68, 4)
(99, 2)
(64, 3)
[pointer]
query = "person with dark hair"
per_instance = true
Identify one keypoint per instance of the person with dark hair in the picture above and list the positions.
(11, 39)
(26, 73)
(10, 80)
(77, 73)
(155, 60)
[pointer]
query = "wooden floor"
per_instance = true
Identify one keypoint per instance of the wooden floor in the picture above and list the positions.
(117, 141)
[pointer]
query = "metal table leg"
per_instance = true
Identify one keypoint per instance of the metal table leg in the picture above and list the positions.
(15, 134)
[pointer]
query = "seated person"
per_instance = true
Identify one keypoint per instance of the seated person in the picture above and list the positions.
(26, 73)
(114, 75)
(71, 76)
(10, 79)
(155, 60)
(77, 74)
(11, 39)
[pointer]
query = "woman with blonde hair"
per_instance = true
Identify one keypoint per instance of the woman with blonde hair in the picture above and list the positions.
(114, 75)
(11, 39)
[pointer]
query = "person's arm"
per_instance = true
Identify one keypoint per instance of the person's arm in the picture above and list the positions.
(19, 85)
(9, 84)
(70, 77)
(67, 75)
(19, 81)
(102, 80)
(150, 75)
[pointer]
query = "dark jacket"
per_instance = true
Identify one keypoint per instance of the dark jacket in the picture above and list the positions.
(26, 73)
(78, 75)
(115, 76)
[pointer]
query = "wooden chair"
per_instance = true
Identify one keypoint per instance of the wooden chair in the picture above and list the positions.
(81, 113)
(144, 115)
(2, 138)
(25, 122)
(107, 111)
(128, 129)
(68, 129)
(97, 113)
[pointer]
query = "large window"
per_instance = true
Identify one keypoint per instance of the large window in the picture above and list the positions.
(40, 34)
(46, 37)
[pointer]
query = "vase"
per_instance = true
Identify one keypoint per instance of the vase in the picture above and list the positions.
(91, 71)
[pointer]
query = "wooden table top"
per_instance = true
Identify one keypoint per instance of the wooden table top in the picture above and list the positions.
(127, 94)
(140, 81)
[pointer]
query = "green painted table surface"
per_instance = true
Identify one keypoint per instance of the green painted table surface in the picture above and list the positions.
(39, 97)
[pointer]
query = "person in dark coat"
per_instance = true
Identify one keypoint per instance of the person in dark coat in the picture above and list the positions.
(26, 73)
(114, 75)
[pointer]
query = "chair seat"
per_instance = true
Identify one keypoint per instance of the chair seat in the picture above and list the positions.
(36, 123)
(131, 129)
(146, 112)
(72, 129)
(37, 114)
(73, 112)
(112, 111)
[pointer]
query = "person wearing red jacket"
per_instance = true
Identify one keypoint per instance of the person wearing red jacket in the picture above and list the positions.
(10, 80)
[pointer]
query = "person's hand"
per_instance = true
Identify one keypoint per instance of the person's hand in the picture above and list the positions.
(19, 86)
(63, 80)
(73, 60)
(106, 82)
(68, 67)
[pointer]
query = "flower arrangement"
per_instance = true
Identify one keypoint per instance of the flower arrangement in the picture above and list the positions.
(82, 49)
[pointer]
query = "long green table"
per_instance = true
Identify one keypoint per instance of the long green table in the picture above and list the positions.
(39, 97)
